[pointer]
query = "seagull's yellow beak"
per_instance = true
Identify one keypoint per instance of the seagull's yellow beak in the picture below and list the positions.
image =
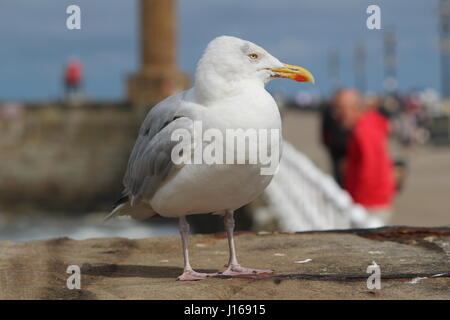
(293, 72)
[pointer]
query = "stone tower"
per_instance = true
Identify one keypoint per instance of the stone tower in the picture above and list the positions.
(158, 76)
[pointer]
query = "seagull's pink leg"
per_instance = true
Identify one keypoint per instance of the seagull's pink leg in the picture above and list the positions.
(234, 268)
(188, 273)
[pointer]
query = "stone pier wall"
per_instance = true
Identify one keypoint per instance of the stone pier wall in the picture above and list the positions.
(55, 157)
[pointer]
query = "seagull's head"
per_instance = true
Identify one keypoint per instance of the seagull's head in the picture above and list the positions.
(229, 60)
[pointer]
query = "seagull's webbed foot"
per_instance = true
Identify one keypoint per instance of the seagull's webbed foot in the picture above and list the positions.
(191, 275)
(236, 270)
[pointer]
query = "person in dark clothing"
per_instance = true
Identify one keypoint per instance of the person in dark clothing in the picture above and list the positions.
(334, 138)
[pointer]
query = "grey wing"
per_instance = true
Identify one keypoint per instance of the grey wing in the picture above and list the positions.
(150, 161)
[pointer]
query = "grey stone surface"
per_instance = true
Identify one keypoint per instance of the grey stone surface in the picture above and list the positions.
(415, 264)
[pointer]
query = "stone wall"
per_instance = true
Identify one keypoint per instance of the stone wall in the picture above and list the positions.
(56, 157)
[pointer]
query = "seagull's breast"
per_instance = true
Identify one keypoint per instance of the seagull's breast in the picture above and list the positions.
(254, 108)
(203, 188)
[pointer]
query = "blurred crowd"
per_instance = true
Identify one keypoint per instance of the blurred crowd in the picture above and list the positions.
(411, 115)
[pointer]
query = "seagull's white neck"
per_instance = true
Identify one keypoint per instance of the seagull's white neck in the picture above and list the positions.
(211, 86)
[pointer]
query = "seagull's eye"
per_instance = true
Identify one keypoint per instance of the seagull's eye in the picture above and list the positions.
(253, 56)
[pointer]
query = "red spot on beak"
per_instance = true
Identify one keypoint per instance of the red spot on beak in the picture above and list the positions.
(300, 78)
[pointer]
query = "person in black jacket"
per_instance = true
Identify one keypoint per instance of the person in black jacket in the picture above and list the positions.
(334, 137)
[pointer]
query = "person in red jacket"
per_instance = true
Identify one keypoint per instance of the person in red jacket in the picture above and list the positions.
(368, 169)
(73, 78)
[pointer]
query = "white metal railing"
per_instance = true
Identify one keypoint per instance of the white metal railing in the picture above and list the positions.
(301, 197)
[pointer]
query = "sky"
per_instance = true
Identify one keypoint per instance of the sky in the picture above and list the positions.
(35, 43)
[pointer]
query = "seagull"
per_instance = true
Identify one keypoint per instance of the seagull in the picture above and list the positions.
(228, 93)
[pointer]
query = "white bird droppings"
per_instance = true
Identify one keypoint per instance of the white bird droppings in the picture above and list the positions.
(417, 280)
(303, 261)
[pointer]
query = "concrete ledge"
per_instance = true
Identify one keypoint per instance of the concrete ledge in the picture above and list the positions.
(414, 262)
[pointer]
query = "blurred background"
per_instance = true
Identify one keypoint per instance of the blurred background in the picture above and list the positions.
(71, 102)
